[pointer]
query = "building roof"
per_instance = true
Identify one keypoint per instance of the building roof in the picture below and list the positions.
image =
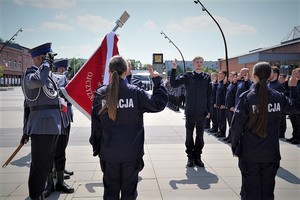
(293, 35)
(259, 53)
(12, 45)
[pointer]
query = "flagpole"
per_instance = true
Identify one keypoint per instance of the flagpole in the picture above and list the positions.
(121, 21)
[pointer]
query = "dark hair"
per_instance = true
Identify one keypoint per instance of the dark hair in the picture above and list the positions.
(275, 70)
(258, 119)
(234, 73)
(224, 72)
(283, 75)
(117, 66)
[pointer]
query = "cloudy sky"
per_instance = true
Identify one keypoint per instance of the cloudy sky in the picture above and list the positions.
(77, 27)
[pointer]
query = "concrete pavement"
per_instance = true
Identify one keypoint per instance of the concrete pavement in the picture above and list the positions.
(164, 176)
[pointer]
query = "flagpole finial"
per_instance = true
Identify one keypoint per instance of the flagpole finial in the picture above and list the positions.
(121, 21)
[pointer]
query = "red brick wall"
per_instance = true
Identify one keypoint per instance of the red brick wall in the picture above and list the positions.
(233, 64)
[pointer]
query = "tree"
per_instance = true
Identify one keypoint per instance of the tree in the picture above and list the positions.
(135, 64)
(76, 64)
(1, 71)
(208, 70)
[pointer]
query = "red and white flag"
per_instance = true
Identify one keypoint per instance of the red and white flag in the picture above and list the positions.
(80, 90)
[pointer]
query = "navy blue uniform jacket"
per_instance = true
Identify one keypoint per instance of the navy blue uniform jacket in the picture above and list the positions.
(198, 90)
(221, 94)
(213, 94)
(230, 95)
(242, 86)
(244, 143)
(123, 139)
(275, 85)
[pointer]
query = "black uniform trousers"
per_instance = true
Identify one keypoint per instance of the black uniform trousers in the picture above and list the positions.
(295, 121)
(222, 120)
(258, 180)
(42, 153)
(182, 101)
(60, 153)
(229, 115)
(121, 177)
(194, 148)
(282, 126)
(214, 118)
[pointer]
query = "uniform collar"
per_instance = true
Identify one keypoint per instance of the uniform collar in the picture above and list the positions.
(198, 75)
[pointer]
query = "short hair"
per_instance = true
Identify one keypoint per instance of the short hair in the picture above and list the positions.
(224, 72)
(197, 57)
(283, 75)
(275, 70)
(234, 73)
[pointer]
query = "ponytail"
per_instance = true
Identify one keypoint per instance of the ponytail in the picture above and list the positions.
(259, 118)
(112, 98)
(117, 66)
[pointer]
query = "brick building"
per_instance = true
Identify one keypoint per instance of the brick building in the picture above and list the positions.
(15, 59)
(286, 55)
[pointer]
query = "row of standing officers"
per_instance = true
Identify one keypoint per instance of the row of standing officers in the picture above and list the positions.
(254, 107)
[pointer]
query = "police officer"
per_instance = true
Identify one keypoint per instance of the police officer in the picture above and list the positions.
(295, 117)
(62, 70)
(117, 135)
(230, 99)
(213, 108)
(43, 120)
(243, 84)
(220, 103)
(275, 85)
(198, 89)
(254, 136)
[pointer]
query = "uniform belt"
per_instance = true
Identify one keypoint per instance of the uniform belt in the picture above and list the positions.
(44, 107)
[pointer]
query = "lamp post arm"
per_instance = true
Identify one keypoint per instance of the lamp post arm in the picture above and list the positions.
(184, 70)
(11, 39)
(181, 56)
(225, 44)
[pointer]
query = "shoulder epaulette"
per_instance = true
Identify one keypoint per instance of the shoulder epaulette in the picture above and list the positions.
(30, 70)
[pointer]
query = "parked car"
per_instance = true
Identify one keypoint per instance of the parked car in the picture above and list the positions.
(145, 79)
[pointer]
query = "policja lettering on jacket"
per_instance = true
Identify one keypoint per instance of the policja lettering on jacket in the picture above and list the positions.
(275, 107)
(125, 103)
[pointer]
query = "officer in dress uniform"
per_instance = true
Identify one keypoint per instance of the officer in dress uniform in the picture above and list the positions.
(62, 71)
(42, 120)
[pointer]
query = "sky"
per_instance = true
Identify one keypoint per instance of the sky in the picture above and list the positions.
(77, 27)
